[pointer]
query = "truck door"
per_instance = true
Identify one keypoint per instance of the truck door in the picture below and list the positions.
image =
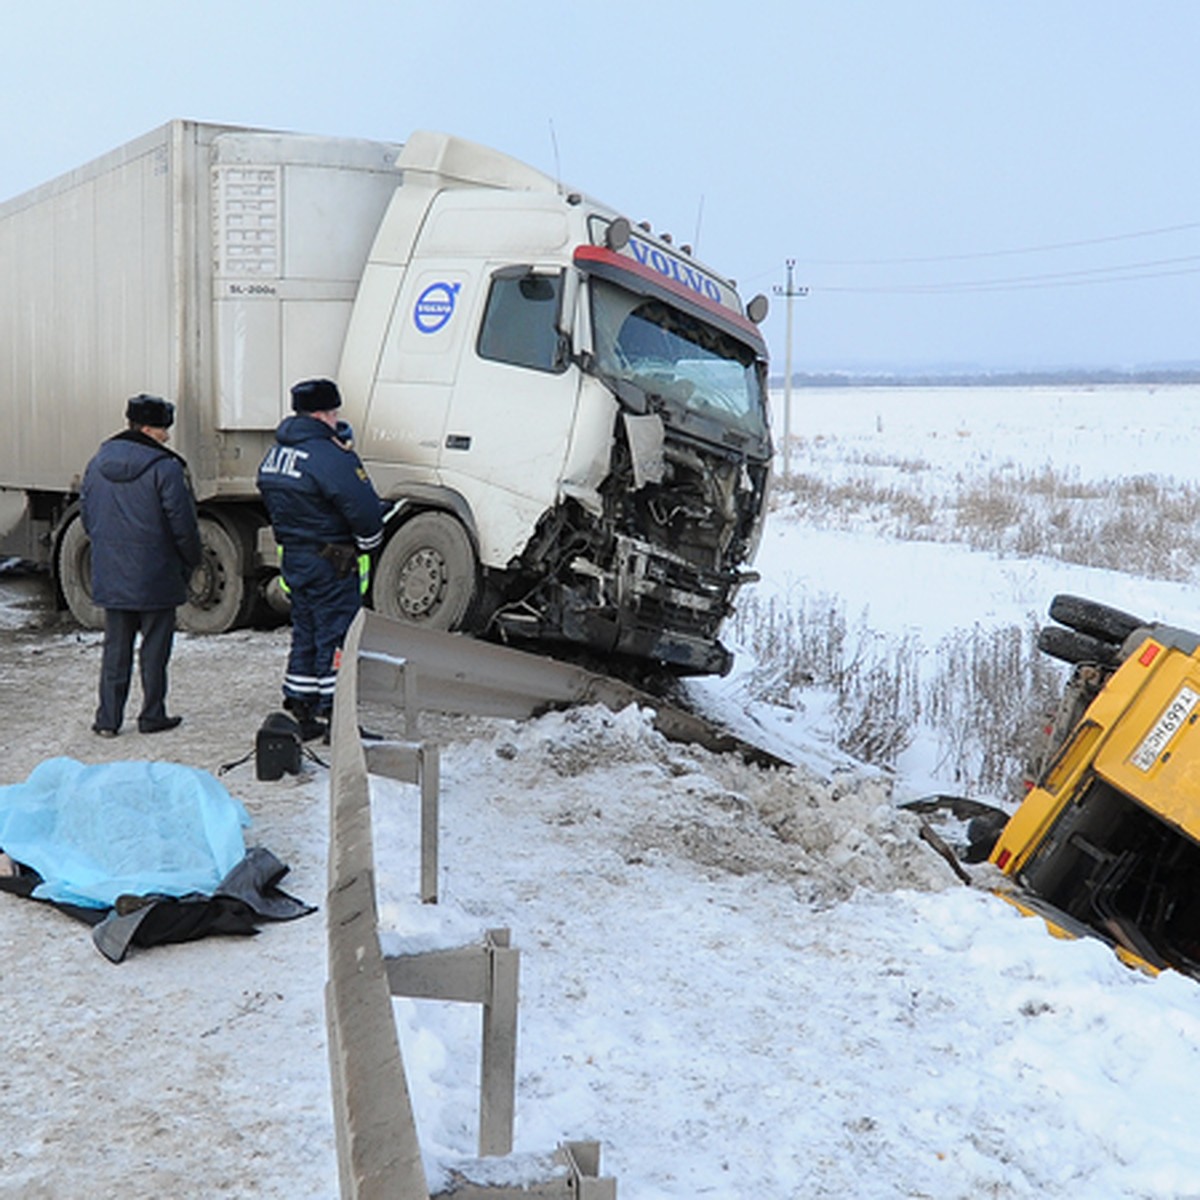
(410, 397)
(512, 410)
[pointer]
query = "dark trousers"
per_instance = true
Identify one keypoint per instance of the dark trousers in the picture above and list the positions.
(121, 626)
(323, 605)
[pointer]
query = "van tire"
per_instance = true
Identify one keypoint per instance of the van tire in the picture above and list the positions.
(428, 574)
(1074, 647)
(74, 572)
(1093, 619)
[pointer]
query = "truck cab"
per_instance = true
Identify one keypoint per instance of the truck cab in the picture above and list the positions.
(570, 414)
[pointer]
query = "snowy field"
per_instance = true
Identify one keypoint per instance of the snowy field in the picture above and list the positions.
(958, 435)
(744, 983)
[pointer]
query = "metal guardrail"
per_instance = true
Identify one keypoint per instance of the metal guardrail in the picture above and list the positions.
(458, 674)
(379, 1154)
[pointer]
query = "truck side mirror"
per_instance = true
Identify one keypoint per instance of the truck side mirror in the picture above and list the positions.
(537, 288)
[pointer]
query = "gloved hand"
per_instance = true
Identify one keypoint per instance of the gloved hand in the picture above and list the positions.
(344, 433)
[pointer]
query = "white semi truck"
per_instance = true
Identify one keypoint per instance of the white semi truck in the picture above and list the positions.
(568, 411)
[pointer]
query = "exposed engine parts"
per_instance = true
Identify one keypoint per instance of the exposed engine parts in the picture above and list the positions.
(654, 572)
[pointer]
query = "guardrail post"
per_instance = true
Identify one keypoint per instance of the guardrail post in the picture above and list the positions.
(419, 763)
(484, 974)
(498, 1070)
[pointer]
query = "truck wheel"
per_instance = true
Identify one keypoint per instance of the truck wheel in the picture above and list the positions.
(427, 574)
(75, 575)
(1071, 646)
(1095, 620)
(218, 597)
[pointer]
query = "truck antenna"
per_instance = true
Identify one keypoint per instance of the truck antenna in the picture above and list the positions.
(699, 219)
(557, 164)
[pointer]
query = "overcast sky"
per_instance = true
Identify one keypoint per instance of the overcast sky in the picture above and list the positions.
(1000, 183)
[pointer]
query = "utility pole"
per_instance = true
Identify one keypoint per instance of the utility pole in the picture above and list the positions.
(791, 292)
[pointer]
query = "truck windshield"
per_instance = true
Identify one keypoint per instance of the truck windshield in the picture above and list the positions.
(676, 359)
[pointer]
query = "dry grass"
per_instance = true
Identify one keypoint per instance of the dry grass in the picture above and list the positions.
(982, 698)
(1141, 525)
(873, 680)
(984, 691)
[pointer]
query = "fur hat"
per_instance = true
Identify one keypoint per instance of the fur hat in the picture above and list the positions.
(150, 410)
(316, 395)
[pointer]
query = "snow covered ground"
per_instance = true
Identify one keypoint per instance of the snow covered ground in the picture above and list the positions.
(744, 983)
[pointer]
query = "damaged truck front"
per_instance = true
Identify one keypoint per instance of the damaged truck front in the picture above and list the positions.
(1107, 842)
(648, 562)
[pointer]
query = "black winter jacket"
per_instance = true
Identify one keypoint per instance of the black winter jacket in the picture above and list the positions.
(140, 514)
(317, 490)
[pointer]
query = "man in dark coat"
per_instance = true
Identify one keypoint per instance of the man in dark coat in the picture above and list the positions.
(326, 517)
(140, 514)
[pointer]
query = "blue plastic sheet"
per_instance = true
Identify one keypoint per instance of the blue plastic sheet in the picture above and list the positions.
(94, 833)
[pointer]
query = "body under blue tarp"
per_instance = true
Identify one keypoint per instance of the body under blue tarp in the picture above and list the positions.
(94, 833)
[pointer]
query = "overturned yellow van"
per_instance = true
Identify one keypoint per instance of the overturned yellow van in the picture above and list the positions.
(1107, 841)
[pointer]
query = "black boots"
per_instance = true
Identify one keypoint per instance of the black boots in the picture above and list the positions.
(312, 725)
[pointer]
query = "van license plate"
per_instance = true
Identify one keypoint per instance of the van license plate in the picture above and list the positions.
(1155, 742)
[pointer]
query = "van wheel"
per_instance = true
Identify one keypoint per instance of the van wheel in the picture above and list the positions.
(1095, 620)
(1071, 646)
(218, 598)
(427, 574)
(74, 570)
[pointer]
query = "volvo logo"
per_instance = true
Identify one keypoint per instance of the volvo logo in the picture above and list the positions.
(435, 306)
(673, 268)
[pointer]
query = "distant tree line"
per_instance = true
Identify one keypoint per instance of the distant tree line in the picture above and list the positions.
(1081, 376)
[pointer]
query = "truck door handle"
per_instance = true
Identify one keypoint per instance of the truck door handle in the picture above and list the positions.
(458, 441)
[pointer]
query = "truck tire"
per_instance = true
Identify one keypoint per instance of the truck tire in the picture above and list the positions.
(218, 597)
(74, 570)
(427, 574)
(1095, 620)
(1071, 646)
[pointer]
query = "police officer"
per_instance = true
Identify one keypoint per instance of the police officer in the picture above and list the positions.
(140, 514)
(325, 514)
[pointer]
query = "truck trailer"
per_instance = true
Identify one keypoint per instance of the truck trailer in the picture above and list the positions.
(567, 411)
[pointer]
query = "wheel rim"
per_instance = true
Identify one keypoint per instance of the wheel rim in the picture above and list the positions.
(422, 583)
(209, 581)
(427, 573)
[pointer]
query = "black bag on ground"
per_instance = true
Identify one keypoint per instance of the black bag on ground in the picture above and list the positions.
(278, 747)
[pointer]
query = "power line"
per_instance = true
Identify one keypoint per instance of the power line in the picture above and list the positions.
(1124, 273)
(1047, 247)
(978, 254)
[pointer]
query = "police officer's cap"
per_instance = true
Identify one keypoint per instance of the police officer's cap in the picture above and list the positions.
(150, 410)
(316, 395)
